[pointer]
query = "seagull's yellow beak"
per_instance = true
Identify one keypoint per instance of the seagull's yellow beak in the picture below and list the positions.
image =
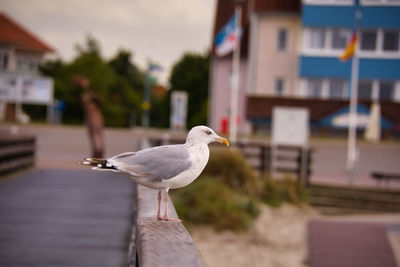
(222, 141)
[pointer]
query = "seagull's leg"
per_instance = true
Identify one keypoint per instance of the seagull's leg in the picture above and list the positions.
(166, 218)
(159, 206)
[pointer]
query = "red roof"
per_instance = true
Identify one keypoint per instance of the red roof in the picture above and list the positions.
(16, 35)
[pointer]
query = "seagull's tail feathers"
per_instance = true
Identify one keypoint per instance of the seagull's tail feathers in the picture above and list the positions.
(98, 164)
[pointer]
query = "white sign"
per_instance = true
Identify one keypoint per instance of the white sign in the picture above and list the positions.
(178, 110)
(26, 89)
(290, 126)
(343, 120)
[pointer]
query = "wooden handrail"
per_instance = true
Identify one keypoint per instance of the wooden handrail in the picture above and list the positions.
(161, 243)
(16, 152)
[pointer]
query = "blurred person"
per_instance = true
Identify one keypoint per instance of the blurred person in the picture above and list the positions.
(91, 105)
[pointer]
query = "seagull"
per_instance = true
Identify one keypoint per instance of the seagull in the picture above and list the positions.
(164, 167)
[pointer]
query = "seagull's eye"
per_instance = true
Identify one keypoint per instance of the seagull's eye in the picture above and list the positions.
(208, 132)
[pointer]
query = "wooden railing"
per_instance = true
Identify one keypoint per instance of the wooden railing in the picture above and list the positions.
(160, 243)
(16, 152)
(282, 159)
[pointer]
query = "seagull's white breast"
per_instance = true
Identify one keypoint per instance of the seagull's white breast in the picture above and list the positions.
(199, 155)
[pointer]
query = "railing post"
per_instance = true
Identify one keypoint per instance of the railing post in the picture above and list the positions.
(262, 158)
(161, 243)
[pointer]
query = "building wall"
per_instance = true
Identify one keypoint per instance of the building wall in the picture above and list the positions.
(220, 92)
(343, 15)
(268, 63)
(19, 61)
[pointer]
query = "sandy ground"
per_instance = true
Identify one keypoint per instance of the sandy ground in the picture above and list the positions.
(277, 238)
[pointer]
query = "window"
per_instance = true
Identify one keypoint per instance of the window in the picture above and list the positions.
(373, 42)
(282, 39)
(327, 39)
(339, 38)
(317, 38)
(330, 2)
(390, 41)
(27, 63)
(337, 89)
(365, 90)
(314, 88)
(386, 91)
(368, 40)
(3, 59)
(381, 2)
(279, 86)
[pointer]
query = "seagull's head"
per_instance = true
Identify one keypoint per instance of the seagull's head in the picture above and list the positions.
(204, 135)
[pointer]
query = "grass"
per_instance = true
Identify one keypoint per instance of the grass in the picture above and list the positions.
(231, 168)
(209, 201)
(277, 191)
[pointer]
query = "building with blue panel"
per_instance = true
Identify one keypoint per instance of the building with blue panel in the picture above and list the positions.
(327, 27)
(291, 58)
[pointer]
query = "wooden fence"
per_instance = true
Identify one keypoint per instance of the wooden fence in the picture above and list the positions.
(280, 159)
(16, 152)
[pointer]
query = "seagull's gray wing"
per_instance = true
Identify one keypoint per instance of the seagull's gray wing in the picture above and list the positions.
(157, 163)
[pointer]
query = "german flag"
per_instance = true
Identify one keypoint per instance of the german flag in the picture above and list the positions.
(350, 48)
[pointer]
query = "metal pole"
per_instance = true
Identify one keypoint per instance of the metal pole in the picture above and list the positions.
(352, 134)
(146, 100)
(235, 80)
(18, 99)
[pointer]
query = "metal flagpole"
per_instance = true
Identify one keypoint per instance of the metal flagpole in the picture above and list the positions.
(146, 98)
(352, 134)
(235, 80)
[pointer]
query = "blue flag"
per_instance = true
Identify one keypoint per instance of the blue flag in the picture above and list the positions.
(154, 67)
(228, 37)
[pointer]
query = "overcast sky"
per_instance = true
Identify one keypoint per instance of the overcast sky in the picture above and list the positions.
(158, 29)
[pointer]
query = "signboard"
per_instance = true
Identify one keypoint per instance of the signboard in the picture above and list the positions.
(26, 89)
(178, 110)
(290, 126)
(343, 120)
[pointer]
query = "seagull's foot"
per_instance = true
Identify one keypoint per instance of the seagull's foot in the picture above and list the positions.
(166, 218)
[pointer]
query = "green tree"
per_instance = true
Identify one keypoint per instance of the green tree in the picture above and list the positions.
(191, 74)
(123, 66)
(159, 115)
(113, 81)
(130, 82)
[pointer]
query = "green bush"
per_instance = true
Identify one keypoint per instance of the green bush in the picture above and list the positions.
(226, 195)
(209, 201)
(231, 168)
(277, 191)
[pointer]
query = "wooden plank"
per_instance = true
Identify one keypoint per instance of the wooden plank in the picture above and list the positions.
(349, 244)
(16, 149)
(388, 176)
(16, 163)
(354, 198)
(16, 152)
(161, 243)
(65, 218)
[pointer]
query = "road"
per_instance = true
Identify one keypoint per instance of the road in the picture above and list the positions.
(64, 146)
